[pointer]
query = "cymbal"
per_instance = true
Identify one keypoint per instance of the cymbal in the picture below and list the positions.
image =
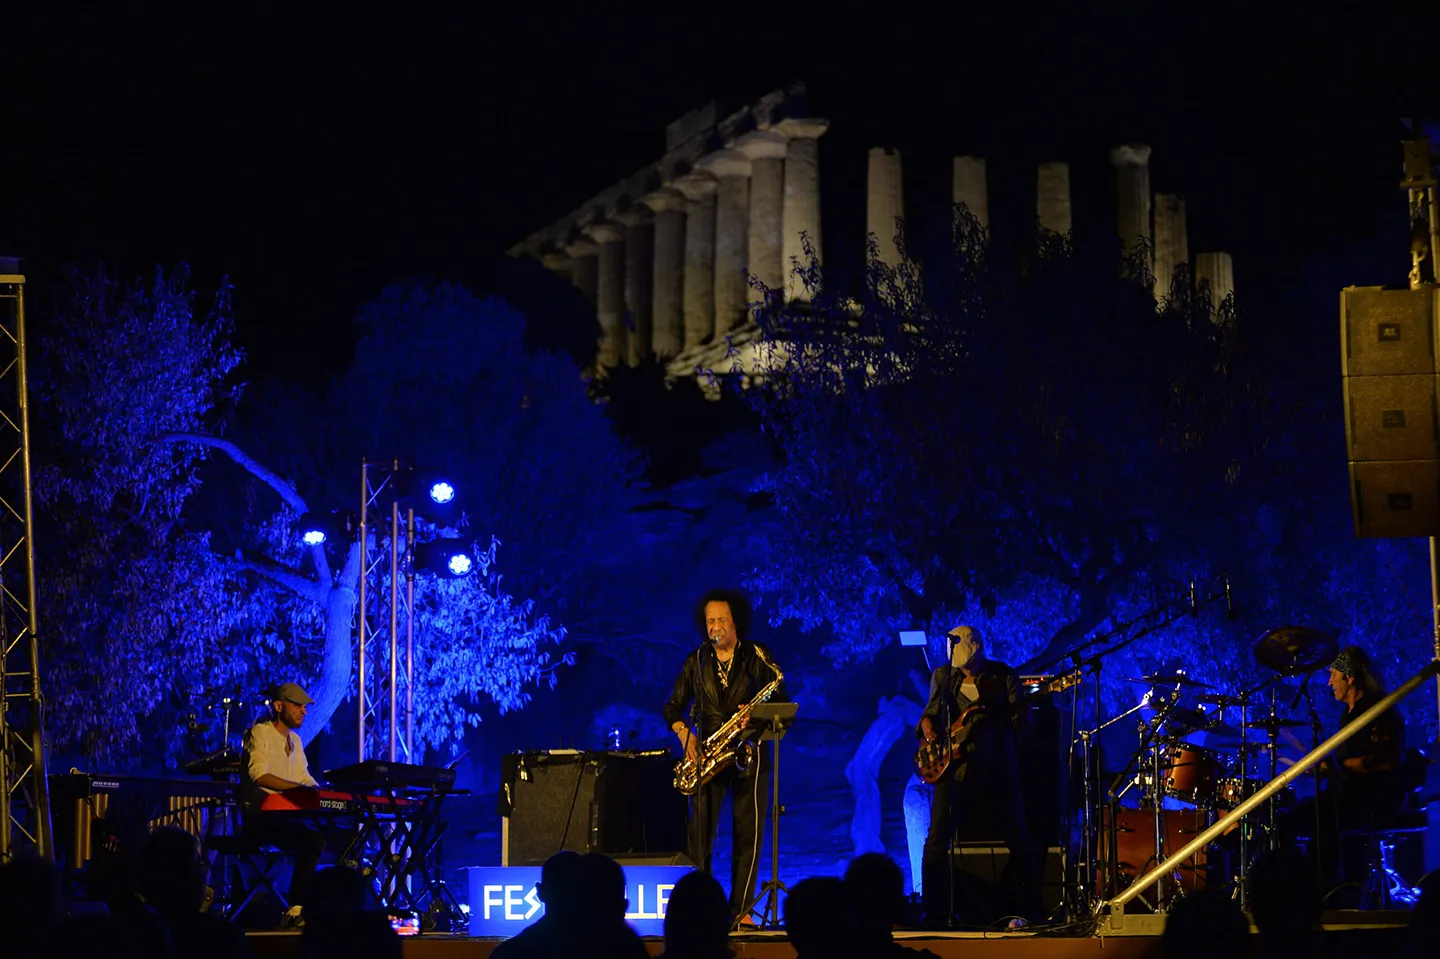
(1194, 721)
(1295, 650)
(1175, 679)
(1276, 724)
(1221, 699)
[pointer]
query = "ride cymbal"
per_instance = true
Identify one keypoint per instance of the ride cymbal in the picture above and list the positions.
(1222, 700)
(1275, 724)
(1295, 650)
(1174, 679)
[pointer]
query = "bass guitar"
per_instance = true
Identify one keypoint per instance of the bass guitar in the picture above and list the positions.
(932, 759)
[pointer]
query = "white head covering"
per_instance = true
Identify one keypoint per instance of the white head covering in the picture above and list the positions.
(965, 644)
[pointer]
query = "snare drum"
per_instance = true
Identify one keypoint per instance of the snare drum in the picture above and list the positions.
(1190, 773)
(1230, 793)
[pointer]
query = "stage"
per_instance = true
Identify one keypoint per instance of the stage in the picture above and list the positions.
(1350, 933)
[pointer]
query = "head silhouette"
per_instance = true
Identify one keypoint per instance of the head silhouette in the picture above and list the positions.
(1204, 924)
(602, 888)
(169, 873)
(810, 917)
(1284, 896)
(559, 885)
(875, 893)
(697, 920)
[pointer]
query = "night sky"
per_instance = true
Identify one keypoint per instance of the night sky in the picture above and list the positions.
(316, 158)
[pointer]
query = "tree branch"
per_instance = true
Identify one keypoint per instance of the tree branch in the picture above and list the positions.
(267, 476)
(285, 577)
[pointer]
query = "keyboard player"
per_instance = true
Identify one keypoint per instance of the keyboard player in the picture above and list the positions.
(275, 762)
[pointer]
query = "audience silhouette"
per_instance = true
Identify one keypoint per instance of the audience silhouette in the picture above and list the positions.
(170, 878)
(585, 907)
(1285, 903)
(875, 897)
(1425, 923)
(811, 921)
(1204, 924)
(697, 919)
(31, 905)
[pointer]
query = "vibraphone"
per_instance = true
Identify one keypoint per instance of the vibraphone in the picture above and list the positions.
(94, 812)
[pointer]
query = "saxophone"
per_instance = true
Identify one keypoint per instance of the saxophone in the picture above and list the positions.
(723, 747)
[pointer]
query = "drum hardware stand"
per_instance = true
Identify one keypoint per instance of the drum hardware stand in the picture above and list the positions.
(773, 719)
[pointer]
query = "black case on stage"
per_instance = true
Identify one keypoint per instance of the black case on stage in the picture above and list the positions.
(622, 804)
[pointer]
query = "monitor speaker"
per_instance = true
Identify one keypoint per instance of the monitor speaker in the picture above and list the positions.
(621, 804)
(1392, 409)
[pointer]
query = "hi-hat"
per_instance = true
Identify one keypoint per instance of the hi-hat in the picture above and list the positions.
(1295, 650)
(1276, 724)
(1174, 679)
(1220, 699)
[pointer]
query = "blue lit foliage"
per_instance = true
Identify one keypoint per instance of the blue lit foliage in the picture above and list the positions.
(981, 439)
(146, 622)
(121, 578)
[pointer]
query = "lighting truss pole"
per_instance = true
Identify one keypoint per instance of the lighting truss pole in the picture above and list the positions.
(386, 624)
(24, 792)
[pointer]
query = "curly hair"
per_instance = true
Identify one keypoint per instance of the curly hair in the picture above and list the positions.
(740, 610)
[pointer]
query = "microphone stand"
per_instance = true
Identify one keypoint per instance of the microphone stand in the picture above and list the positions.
(1315, 727)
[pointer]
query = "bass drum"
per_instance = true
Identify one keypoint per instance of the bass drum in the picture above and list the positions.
(1134, 835)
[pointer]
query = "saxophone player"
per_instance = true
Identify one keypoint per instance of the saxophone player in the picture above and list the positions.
(717, 681)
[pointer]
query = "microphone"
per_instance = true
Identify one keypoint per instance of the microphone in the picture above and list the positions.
(1194, 606)
(1231, 613)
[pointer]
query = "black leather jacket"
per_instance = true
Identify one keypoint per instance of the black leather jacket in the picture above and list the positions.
(699, 680)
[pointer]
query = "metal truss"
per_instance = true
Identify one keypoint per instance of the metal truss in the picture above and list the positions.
(386, 621)
(24, 791)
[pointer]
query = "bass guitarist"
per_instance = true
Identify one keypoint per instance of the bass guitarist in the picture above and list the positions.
(975, 712)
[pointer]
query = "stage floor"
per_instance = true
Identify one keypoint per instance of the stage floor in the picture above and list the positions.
(1352, 932)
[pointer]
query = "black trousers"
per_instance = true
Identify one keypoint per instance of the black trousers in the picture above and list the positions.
(985, 803)
(299, 840)
(749, 795)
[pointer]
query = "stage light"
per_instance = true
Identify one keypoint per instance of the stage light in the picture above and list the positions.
(317, 529)
(313, 537)
(446, 557)
(441, 492)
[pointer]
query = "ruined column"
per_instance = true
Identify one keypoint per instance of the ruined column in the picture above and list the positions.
(699, 189)
(610, 292)
(968, 188)
(1052, 197)
(668, 336)
(584, 267)
(800, 213)
(1132, 196)
(885, 202)
(1172, 243)
(1217, 272)
(766, 152)
(639, 280)
(732, 236)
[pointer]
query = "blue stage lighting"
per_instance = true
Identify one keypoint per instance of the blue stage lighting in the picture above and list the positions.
(313, 537)
(442, 492)
(459, 564)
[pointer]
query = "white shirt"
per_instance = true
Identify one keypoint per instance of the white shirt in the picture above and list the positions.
(265, 753)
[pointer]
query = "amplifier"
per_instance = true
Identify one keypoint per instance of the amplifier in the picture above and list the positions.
(622, 804)
(979, 865)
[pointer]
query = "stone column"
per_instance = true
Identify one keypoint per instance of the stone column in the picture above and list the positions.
(585, 268)
(610, 292)
(885, 202)
(699, 292)
(1216, 271)
(968, 188)
(766, 152)
(557, 263)
(1052, 197)
(1172, 243)
(1132, 196)
(639, 280)
(801, 209)
(669, 267)
(732, 236)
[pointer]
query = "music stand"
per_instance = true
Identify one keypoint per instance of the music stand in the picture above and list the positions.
(773, 721)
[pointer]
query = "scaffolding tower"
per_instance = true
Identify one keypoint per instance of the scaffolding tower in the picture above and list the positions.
(386, 621)
(24, 792)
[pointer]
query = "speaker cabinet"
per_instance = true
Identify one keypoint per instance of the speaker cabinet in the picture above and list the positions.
(621, 804)
(979, 867)
(1392, 409)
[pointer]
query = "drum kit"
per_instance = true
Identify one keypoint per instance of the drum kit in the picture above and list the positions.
(1200, 754)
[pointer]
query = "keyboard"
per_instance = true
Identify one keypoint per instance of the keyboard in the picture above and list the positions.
(381, 774)
(336, 802)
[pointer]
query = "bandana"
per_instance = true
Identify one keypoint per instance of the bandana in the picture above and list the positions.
(1350, 662)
